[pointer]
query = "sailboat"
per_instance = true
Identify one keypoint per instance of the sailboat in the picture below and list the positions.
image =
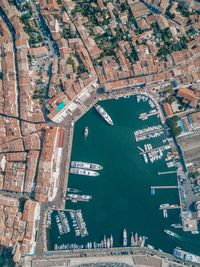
(86, 132)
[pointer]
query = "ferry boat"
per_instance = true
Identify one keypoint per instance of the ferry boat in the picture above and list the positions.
(83, 172)
(124, 238)
(104, 114)
(132, 240)
(86, 132)
(186, 256)
(86, 165)
(168, 232)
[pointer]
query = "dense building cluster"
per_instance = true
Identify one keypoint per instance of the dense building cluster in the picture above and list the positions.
(18, 228)
(31, 150)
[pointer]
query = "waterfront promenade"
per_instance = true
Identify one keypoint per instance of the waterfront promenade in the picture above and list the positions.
(130, 256)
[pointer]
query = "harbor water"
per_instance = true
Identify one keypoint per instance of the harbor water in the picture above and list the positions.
(121, 195)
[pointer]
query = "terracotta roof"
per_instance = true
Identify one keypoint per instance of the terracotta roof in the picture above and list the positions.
(168, 109)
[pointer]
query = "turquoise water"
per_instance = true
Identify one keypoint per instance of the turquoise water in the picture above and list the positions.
(60, 106)
(6, 262)
(121, 194)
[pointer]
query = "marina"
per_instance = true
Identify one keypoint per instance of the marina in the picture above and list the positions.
(151, 154)
(119, 183)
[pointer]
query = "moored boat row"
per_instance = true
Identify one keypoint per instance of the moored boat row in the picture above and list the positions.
(78, 223)
(148, 133)
(135, 241)
(106, 242)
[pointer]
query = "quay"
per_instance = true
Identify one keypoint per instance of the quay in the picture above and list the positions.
(121, 255)
(168, 172)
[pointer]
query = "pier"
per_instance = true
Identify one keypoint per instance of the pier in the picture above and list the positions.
(164, 187)
(62, 222)
(168, 172)
(154, 149)
(170, 207)
(153, 188)
(145, 115)
(152, 131)
(67, 210)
